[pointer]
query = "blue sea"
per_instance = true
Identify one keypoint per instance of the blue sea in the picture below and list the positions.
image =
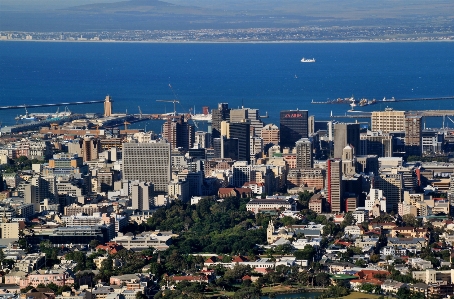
(267, 76)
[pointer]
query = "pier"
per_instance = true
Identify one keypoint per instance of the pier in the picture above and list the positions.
(348, 101)
(50, 105)
(424, 113)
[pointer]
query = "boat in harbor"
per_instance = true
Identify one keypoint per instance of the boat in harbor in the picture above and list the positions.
(201, 117)
(308, 60)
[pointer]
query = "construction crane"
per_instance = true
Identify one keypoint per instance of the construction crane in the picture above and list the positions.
(140, 111)
(193, 120)
(126, 123)
(174, 105)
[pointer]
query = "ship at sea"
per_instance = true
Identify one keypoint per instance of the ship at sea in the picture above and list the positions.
(308, 60)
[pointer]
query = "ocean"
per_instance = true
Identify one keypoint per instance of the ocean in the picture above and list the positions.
(267, 76)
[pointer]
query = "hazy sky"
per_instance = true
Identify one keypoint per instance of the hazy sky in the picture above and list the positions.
(45, 4)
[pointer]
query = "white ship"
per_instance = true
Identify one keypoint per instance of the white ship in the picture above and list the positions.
(308, 60)
(201, 117)
(26, 116)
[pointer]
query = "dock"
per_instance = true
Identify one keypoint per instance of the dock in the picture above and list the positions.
(423, 113)
(50, 105)
(346, 101)
(38, 124)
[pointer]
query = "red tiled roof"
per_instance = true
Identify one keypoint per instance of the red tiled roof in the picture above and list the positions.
(239, 259)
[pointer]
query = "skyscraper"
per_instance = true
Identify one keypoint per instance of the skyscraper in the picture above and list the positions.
(388, 120)
(413, 135)
(293, 127)
(334, 182)
(218, 115)
(178, 132)
(270, 134)
(251, 115)
(141, 195)
(304, 149)
(241, 131)
(147, 162)
(345, 134)
(391, 183)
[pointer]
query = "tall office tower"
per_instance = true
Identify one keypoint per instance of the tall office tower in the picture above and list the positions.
(91, 148)
(203, 139)
(304, 149)
(311, 125)
(388, 120)
(348, 161)
(241, 131)
(147, 162)
(225, 148)
(256, 147)
(270, 135)
(391, 184)
(241, 173)
(108, 106)
(451, 189)
(413, 138)
(222, 113)
(178, 133)
(252, 115)
(345, 134)
(293, 127)
(36, 191)
(376, 143)
(88, 148)
(334, 183)
(141, 195)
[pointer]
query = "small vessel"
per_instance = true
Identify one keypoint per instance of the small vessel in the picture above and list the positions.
(389, 100)
(26, 117)
(308, 60)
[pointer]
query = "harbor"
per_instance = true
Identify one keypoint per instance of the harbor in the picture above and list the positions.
(365, 102)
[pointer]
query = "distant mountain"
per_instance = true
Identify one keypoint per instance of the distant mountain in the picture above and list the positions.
(227, 14)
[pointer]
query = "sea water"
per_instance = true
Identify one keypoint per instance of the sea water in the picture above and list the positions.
(267, 76)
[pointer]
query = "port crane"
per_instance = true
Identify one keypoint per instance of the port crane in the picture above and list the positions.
(140, 111)
(174, 105)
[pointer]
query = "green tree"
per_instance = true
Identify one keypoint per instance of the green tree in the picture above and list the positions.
(410, 220)
(307, 253)
(322, 279)
(248, 293)
(374, 258)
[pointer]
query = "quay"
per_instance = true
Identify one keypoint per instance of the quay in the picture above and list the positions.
(424, 113)
(347, 101)
(38, 124)
(50, 105)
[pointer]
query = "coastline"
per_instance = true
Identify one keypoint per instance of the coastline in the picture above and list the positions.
(233, 41)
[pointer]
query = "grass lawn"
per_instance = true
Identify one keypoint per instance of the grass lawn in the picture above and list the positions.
(220, 293)
(358, 295)
(276, 289)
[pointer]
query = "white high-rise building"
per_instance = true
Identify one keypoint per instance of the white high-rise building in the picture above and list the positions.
(148, 162)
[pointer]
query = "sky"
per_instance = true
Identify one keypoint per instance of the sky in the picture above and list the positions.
(45, 4)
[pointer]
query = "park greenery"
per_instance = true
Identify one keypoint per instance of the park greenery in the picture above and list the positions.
(226, 229)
